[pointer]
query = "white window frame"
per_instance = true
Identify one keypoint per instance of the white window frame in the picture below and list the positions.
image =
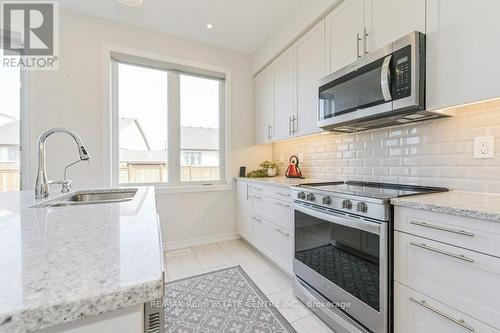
(115, 54)
(25, 163)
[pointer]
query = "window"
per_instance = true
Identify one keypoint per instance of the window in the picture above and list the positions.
(191, 157)
(143, 107)
(10, 128)
(170, 121)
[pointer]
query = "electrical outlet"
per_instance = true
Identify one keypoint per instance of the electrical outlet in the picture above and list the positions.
(282, 158)
(484, 147)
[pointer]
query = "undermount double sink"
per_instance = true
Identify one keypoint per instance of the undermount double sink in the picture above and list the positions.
(90, 197)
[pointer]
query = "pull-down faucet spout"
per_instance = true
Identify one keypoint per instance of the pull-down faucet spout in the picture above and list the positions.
(41, 184)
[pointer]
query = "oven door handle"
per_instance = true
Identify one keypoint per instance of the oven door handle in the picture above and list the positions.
(385, 79)
(371, 227)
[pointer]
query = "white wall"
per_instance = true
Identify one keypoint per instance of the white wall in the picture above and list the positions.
(73, 97)
(308, 13)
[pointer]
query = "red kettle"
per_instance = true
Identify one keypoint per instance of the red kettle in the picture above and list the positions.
(293, 170)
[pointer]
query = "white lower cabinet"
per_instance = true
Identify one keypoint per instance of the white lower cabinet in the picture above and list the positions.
(243, 201)
(440, 259)
(265, 219)
(274, 241)
(417, 313)
(461, 278)
(278, 211)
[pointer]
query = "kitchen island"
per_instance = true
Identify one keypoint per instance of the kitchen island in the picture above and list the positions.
(64, 268)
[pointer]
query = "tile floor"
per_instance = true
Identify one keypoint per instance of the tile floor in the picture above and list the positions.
(276, 285)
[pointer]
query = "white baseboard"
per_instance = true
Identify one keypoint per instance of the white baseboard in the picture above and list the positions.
(177, 245)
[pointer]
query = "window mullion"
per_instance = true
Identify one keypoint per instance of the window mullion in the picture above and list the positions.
(174, 130)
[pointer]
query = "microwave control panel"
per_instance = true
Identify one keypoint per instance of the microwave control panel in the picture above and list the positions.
(402, 73)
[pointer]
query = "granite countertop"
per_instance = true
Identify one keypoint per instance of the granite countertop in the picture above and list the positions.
(482, 206)
(64, 263)
(280, 181)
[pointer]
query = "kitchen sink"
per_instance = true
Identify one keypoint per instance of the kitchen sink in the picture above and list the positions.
(90, 197)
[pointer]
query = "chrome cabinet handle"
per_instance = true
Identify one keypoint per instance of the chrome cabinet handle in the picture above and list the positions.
(365, 41)
(257, 188)
(248, 191)
(290, 125)
(257, 197)
(460, 322)
(283, 194)
(282, 204)
(269, 132)
(294, 125)
(256, 219)
(438, 227)
(385, 78)
(449, 254)
(357, 45)
(282, 232)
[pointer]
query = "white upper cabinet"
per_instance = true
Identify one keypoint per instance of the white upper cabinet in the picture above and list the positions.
(285, 90)
(358, 27)
(345, 29)
(311, 67)
(462, 52)
(264, 106)
(392, 19)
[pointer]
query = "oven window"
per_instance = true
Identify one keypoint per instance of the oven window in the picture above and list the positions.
(347, 257)
(356, 90)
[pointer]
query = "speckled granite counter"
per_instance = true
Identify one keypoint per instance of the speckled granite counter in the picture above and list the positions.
(65, 263)
(280, 181)
(467, 204)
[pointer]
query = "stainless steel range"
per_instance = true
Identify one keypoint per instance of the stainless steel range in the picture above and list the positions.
(343, 251)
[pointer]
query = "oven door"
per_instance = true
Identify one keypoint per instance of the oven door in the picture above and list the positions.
(345, 259)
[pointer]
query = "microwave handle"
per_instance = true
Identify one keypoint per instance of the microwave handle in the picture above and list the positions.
(385, 77)
(371, 227)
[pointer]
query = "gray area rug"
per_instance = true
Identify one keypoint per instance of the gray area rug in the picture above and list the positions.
(225, 301)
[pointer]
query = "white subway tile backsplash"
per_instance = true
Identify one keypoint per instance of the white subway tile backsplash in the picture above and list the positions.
(434, 153)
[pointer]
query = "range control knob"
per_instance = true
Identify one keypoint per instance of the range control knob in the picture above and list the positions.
(310, 197)
(327, 200)
(347, 204)
(301, 195)
(362, 207)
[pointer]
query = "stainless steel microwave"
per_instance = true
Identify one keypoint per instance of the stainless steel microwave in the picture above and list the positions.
(384, 88)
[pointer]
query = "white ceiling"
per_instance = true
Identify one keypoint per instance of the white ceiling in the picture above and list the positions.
(240, 25)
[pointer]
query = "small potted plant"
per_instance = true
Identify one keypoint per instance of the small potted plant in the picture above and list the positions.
(270, 167)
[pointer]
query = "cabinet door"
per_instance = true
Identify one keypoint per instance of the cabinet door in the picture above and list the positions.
(243, 220)
(284, 71)
(392, 19)
(460, 278)
(311, 67)
(345, 33)
(274, 242)
(417, 313)
(264, 106)
(462, 52)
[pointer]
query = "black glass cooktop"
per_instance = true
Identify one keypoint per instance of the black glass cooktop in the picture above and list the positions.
(373, 190)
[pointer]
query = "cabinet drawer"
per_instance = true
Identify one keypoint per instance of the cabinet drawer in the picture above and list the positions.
(477, 235)
(274, 242)
(278, 211)
(462, 279)
(416, 313)
(277, 192)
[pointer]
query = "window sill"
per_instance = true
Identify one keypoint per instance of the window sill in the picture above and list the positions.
(159, 189)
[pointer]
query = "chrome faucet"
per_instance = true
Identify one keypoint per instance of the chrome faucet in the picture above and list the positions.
(41, 184)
